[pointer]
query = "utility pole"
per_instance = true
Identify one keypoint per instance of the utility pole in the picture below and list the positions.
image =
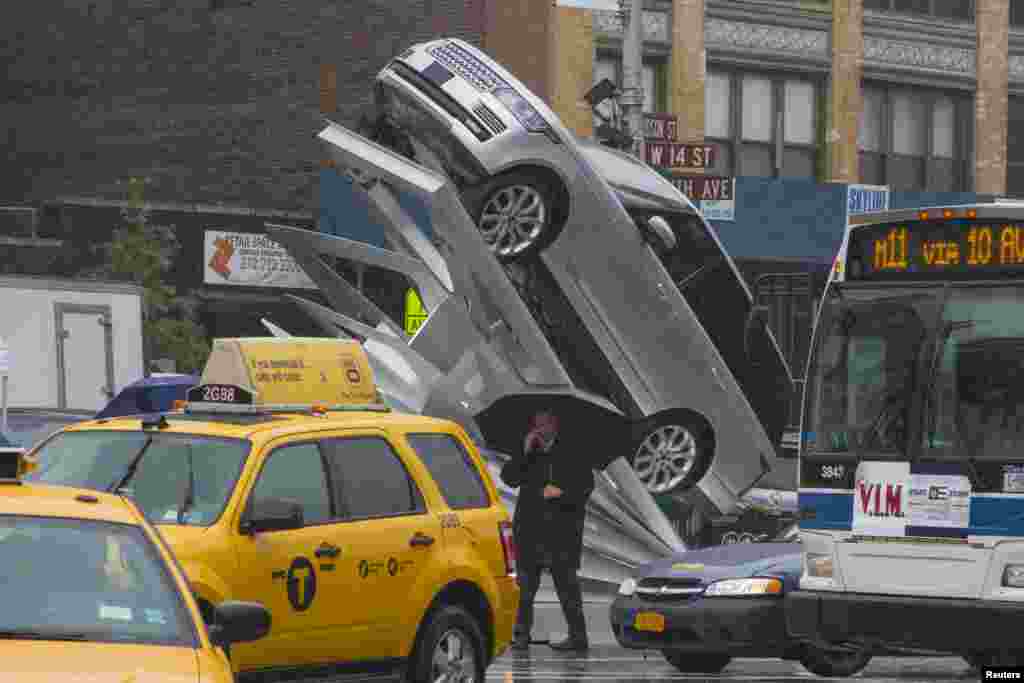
(632, 99)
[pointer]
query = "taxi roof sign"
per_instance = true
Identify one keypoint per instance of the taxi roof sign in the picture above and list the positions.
(268, 374)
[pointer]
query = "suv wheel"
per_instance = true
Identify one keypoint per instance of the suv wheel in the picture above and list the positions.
(670, 453)
(450, 648)
(515, 213)
(697, 662)
(833, 662)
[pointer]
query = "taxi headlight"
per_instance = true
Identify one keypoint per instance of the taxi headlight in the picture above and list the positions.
(628, 587)
(744, 587)
(819, 565)
(1013, 576)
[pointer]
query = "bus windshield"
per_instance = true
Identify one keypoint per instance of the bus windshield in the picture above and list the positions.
(862, 375)
(976, 401)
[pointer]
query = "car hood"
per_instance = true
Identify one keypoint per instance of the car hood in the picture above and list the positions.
(736, 561)
(62, 662)
(637, 184)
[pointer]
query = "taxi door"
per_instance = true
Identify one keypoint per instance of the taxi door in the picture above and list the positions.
(291, 571)
(392, 548)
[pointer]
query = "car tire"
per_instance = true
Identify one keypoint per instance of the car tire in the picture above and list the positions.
(697, 662)
(671, 453)
(517, 213)
(833, 664)
(444, 627)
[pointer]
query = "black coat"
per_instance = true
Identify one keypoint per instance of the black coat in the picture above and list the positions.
(548, 531)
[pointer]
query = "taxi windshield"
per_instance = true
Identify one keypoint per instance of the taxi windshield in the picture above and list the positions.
(173, 478)
(87, 581)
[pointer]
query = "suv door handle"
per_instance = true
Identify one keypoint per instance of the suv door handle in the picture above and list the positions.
(327, 550)
(421, 539)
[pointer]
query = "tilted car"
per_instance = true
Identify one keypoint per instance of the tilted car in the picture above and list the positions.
(376, 538)
(625, 280)
(702, 608)
(91, 592)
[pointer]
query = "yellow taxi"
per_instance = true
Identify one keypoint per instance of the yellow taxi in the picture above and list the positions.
(377, 539)
(91, 593)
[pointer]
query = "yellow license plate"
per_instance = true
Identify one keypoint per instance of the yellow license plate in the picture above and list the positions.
(649, 621)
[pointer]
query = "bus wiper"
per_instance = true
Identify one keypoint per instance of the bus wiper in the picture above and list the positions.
(130, 469)
(190, 490)
(929, 385)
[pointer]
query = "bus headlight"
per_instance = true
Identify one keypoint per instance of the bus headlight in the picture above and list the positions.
(743, 587)
(628, 587)
(819, 565)
(1013, 576)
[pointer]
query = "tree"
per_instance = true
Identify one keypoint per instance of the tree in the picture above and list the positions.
(142, 253)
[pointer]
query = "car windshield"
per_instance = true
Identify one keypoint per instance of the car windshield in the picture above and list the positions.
(977, 396)
(863, 372)
(85, 580)
(174, 478)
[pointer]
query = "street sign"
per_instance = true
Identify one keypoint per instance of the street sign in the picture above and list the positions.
(679, 154)
(661, 128)
(704, 188)
(415, 313)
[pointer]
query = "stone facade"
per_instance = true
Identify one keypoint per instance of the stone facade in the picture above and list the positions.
(990, 120)
(572, 68)
(846, 102)
(687, 70)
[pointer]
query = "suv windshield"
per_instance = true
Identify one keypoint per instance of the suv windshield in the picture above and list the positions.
(977, 398)
(173, 478)
(84, 580)
(862, 376)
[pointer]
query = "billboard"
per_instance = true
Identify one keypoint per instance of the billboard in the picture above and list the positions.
(248, 259)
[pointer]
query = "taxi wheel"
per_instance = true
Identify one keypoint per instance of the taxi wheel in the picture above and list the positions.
(697, 663)
(834, 663)
(449, 648)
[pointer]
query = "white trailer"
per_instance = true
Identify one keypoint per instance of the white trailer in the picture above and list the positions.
(73, 344)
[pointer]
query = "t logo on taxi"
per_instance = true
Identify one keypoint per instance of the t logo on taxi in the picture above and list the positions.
(878, 500)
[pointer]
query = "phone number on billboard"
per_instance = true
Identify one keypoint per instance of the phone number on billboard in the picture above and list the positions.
(268, 264)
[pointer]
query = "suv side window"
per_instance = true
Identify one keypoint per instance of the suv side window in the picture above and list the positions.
(297, 473)
(370, 479)
(452, 469)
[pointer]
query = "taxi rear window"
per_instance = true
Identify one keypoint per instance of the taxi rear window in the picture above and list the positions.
(452, 469)
(174, 478)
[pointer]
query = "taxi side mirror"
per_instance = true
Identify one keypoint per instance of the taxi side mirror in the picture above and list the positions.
(239, 622)
(273, 514)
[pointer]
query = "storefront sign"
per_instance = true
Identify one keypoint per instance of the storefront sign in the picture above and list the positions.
(678, 154)
(661, 128)
(250, 260)
(415, 313)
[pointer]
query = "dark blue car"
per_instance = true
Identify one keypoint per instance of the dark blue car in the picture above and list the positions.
(702, 608)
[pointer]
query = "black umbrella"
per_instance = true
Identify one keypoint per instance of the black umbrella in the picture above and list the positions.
(594, 432)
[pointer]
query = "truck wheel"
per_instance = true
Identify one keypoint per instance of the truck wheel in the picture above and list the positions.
(833, 663)
(697, 662)
(449, 647)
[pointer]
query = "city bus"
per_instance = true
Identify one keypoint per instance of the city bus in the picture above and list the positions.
(911, 459)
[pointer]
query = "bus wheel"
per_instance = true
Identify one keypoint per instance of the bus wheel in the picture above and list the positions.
(670, 453)
(697, 662)
(517, 213)
(835, 663)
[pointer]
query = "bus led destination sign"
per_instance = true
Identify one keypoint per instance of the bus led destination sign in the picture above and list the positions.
(940, 248)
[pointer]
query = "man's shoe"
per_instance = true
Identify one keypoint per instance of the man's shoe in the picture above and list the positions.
(571, 645)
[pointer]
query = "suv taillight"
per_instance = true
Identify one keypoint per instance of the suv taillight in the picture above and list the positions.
(508, 544)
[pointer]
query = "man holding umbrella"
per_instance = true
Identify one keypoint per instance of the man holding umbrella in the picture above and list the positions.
(554, 487)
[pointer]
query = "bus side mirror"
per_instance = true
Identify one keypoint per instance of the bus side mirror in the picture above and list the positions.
(755, 320)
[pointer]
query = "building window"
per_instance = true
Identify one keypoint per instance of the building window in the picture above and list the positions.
(958, 10)
(1016, 14)
(1015, 148)
(914, 139)
(761, 125)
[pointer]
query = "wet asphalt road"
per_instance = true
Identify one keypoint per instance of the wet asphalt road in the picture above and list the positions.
(606, 661)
